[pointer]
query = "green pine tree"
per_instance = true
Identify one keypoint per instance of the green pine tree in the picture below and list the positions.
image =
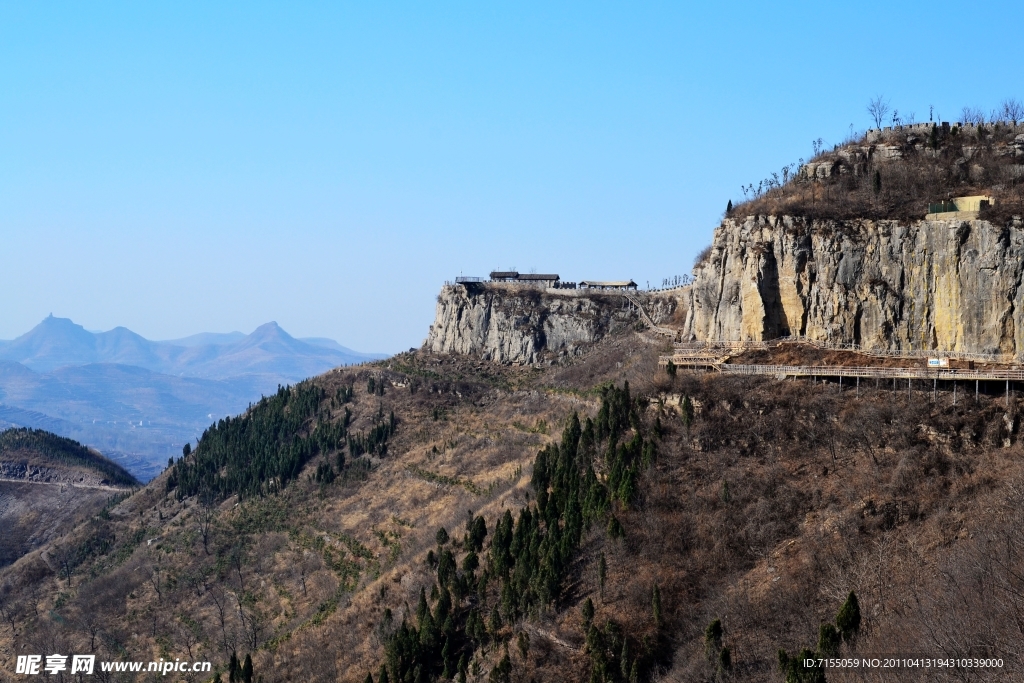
(829, 640)
(421, 607)
(687, 412)
(713, 635)
(494, 622)
(848, 619)
(615, 528)
(446, 658)
(794, 670)
(588, 613)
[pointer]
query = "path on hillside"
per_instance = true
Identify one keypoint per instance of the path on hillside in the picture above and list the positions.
(99, 487)
(717, 348)
(866, 372)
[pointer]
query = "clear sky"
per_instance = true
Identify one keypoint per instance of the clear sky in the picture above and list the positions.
(178, 167)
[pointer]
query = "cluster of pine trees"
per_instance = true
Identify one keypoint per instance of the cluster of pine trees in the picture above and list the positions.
(376, 441)
(264, 449)
(830, 637)
(530, 559)
(62, 450)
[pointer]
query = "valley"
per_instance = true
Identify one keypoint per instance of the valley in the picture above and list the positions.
(140, 401)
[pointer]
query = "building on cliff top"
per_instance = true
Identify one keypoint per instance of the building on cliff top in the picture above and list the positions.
(610, 284)
(504, 276)
(533, 279)
(959, 207)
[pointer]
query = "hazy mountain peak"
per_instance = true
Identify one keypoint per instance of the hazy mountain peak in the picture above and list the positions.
(271, 329)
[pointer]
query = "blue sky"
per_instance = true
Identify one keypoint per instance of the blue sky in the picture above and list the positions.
(186, 167)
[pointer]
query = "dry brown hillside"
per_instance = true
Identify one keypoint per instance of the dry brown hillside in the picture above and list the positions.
(48, 485)
(760, 504)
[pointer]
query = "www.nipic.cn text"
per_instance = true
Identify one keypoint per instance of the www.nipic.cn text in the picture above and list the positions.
(86, 664)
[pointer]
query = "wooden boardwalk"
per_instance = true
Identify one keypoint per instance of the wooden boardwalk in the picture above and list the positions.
(718, 348)
(839, 371)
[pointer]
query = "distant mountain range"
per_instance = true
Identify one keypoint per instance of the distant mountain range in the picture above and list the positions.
(139, 401)
(269, 350)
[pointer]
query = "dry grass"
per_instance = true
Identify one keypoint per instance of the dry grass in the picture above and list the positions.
(961, 164)
(778, 499)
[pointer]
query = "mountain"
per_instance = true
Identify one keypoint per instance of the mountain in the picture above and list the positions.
(140, 401)
(47, 485)
(59, 342)
(138, 417)
(443, 517)
(206, 338)
(41, 456)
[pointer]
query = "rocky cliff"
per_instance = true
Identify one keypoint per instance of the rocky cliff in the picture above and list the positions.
(950, 285)
(517, 324)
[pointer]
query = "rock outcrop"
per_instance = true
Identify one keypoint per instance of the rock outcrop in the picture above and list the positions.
(949, 285)
(517, 324)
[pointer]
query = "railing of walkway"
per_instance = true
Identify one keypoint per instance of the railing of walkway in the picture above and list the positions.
(646, 318)
(718, 346)
(881, 373)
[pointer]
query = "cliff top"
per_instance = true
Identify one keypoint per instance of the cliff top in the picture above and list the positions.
(895, 173)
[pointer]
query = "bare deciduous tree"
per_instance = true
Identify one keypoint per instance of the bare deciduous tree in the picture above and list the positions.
(972, 115)
(190, 631)
(219, 597)
(878, 107)
(64, 556)
(1012, 110)
(305, 563)
(155, 578)
(7, 607)
(205, 516)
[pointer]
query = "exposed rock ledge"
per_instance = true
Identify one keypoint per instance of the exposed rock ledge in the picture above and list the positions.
(515, 324)
(951, 285)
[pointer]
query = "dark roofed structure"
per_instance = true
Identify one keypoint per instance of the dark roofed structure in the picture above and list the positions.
(608, 284)
(534, 279)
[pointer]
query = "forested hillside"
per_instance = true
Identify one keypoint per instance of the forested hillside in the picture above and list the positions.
(49, 449)
(439, 518)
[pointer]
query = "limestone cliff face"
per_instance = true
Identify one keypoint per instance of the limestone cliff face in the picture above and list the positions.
(516, 324)
(950, 285)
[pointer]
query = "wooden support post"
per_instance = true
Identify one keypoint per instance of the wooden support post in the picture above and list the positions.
(858, 385)
(954, 392)
(1007, 393)
(935, 388)
(908, 388)
(975, 391)
(840, 384)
